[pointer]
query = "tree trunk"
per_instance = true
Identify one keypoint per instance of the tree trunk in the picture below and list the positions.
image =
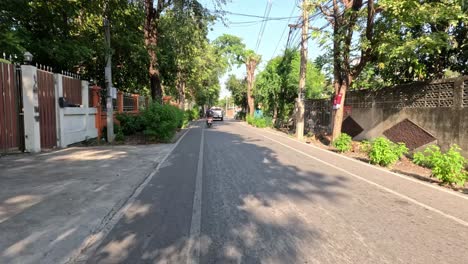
(338, 116)
(181, 90)
(251, 64)
(151, 42)
(275, 111)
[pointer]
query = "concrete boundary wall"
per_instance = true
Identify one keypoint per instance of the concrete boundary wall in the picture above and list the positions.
(439, 108)
(74, 124)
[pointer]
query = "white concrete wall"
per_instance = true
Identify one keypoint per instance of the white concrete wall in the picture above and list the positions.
(78, 125)
(74, 124)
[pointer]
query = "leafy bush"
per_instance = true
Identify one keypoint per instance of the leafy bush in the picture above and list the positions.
(192, 114)
(119, 135)
(130, 124)
(365, 146)
(384, 152)
(343, 143)
(448, 167)
(162, 121)
(260, 122)
(428, 157)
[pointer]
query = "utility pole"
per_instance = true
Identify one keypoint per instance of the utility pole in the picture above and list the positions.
(108, 80)
(303, 70)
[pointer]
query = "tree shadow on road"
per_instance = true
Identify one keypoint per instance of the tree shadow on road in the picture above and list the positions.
(259, 205)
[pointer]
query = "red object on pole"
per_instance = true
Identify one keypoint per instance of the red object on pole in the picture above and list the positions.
(337, 101)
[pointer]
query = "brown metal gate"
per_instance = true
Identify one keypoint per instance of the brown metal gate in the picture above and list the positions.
(11, 135)
(47, 118)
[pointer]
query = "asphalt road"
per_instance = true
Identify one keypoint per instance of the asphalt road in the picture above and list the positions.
(236, 194)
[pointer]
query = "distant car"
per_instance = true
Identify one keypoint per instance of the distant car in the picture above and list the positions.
(218, 113)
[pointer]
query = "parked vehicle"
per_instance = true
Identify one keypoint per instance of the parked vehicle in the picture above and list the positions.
(218, 113)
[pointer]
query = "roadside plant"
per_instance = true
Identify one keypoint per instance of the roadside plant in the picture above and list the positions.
(365, 146)
(383, 152)
(343, 143)
(448, 167)
(130, 123)
(260, 122)
(119, 135)
(161, 121)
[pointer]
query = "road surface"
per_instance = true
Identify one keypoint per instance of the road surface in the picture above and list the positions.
(237, 194)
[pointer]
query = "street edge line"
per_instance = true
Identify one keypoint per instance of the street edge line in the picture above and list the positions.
(193, 249)
(432, 209)
(93, 241)
(368, 165)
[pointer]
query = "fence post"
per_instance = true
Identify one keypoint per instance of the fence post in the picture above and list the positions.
(32, 132)
(119, 102)
(136, 107)
(96, 101)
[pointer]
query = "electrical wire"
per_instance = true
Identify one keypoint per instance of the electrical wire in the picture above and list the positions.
(262, 28)
(248, 15)
(282, 34)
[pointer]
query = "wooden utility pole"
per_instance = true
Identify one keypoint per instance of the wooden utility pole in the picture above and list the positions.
(303, 70)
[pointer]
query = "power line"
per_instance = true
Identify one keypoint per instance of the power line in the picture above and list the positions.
(282, 34)
(257, 21)
(250, 15)
(262, 28)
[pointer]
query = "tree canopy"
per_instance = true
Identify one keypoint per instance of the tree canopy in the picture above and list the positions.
(276, 85)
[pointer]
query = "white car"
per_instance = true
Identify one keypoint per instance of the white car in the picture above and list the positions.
(218, 113)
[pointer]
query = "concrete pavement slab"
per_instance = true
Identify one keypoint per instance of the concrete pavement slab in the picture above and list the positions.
(51, 202)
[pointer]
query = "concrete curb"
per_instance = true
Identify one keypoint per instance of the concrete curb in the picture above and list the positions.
(449, 191)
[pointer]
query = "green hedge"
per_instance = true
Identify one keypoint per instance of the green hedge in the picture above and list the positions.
(260, 122)
(159, 122)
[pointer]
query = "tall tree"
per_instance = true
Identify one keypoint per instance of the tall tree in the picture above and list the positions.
(183, 38)
(352, 22)
(237, 54)
(276, 86)
(152, 30)
(69, 36)
(238, 89)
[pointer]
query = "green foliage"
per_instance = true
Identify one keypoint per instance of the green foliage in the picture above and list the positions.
(192, 114)
(276, 85)
(448, 167)
(119, 135)
(161, 121)
(384, 152)
(260, 122)
(68, 35)
(424, 45)
(343, 142)
(365, 146)
(130, 123)
(238, 89)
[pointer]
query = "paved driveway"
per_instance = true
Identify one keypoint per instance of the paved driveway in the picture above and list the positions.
(50, 203)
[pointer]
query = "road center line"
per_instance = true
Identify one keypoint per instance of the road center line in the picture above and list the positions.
(456, 219)
(193, 251)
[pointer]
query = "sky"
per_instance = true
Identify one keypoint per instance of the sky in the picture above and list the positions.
(275, 35)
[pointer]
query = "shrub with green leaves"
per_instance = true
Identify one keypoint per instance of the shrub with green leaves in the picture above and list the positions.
(448, 167)
(260, 122)
(365, 146)
(384, 152)
(161, 121)
(130, 123)
(343, 142)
